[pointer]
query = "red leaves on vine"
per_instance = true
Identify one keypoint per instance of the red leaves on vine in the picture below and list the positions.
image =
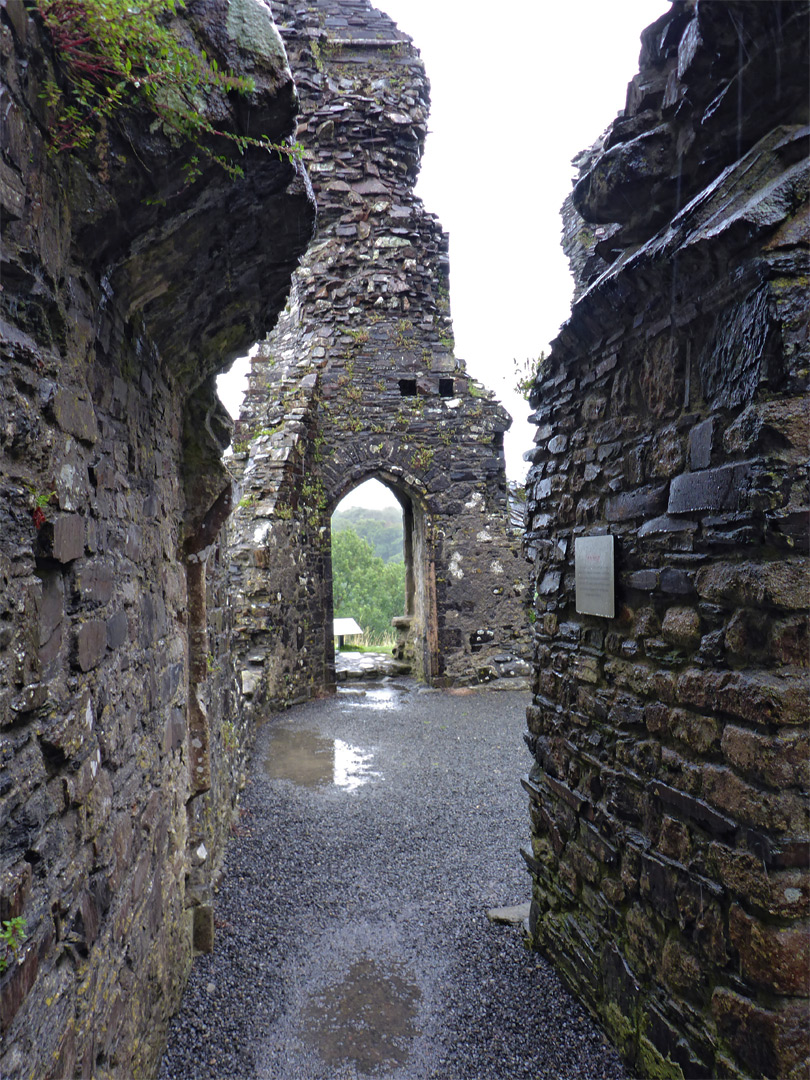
(66, 21)
(111, 53)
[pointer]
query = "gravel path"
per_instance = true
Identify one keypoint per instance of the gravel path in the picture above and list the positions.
(352, 932)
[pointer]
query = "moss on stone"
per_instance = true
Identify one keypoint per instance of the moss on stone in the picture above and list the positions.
(251, 26)
(654, 1065)
(620, 1027)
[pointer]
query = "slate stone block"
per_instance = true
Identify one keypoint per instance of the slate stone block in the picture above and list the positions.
(89, 644)
(93, 581)
(775, 958)
(666, 525)
(75, 415)
(711, 489)
(15, 888)
(676, 582)
(117, 630)
(175, 730)
(700, 445)
(62, 539)
(133, 543)
(767, 1042)
(90, 918)
(620, 984)
(68, 537)
(51, 605)
(147, 631)
(12, 192)
(740, 351)
(659, 882)
(645, 580)
(714, 823)
(634, 504)
(684, 976)
(550, 583)
(169, 682)
(204, 928)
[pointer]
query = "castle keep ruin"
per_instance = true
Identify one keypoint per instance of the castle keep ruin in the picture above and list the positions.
(669, 793)
(359, 380)
(141, 636)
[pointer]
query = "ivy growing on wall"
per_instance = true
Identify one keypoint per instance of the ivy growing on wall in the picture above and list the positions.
(114, 53)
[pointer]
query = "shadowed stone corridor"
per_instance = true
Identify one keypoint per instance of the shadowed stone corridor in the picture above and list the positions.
(158, 601)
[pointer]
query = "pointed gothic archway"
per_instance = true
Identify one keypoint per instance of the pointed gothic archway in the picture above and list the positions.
(420, 635)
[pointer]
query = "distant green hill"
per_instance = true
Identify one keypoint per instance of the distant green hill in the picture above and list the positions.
(380, 528)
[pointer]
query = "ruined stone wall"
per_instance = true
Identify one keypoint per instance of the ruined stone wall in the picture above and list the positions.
(123, 292)
(670, 784)
(278, 562)
(360, 380)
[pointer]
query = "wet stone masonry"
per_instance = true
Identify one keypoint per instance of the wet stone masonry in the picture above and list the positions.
(669, 793)
(121, 743)
(359, 380)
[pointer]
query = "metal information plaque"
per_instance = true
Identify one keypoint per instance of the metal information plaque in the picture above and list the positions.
(594, 574)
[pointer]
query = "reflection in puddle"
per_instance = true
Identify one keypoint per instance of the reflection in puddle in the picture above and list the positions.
(313, 761)
(367, 1019)
(351, 766)
(382, 699)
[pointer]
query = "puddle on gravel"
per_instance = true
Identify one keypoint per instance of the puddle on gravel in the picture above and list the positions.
(367, 1019)
(384, 698)
(312, 761)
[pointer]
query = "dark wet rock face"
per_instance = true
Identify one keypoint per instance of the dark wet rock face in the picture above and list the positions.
(123, 293)
(668, 794)
(703, 98)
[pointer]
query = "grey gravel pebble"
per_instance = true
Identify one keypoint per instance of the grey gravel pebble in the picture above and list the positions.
(353, 937)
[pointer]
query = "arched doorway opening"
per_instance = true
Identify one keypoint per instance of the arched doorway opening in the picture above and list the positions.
(368, 568)
(416, 625)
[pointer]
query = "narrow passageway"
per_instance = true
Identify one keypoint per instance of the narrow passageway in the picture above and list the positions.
(376, 830)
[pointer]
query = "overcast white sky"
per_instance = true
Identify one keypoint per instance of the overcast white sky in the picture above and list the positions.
(517, 90)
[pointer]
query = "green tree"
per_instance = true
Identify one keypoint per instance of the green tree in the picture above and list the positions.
(382, 529)
(363, 586)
